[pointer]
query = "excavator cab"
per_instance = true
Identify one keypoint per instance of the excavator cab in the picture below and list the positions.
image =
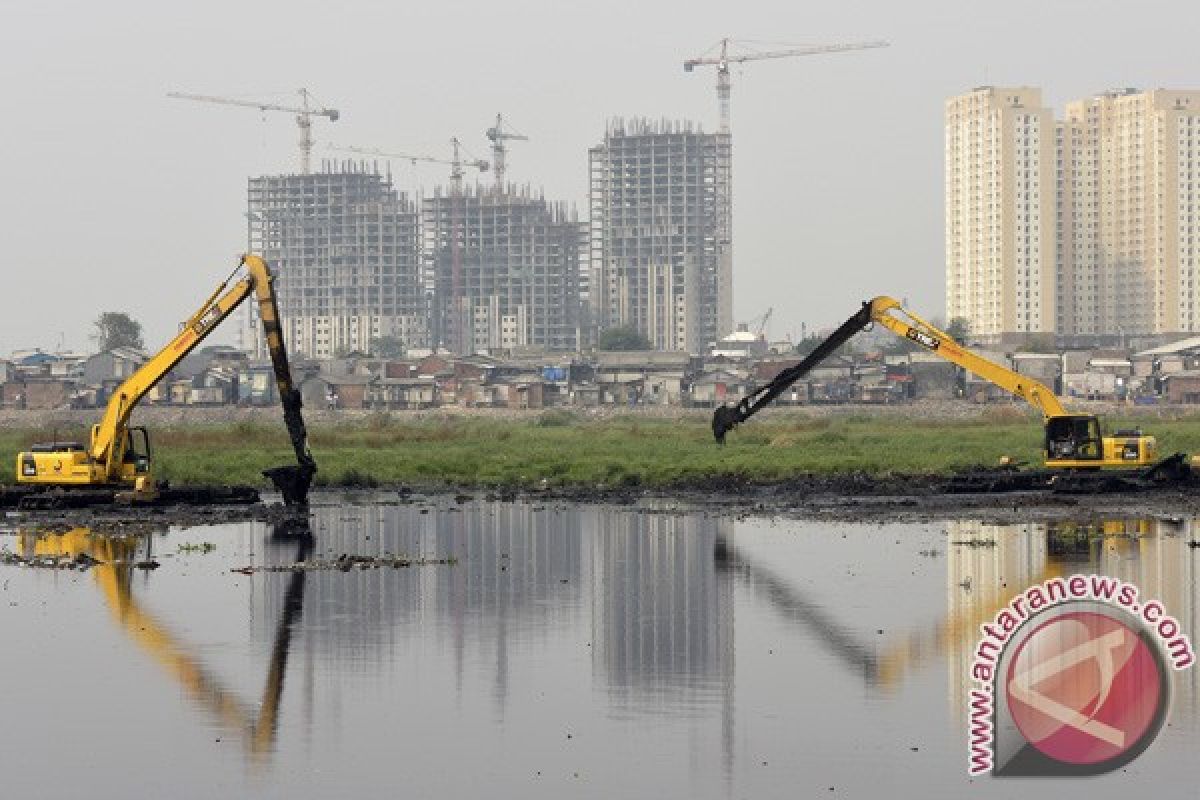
(137, 452)
(1074, 438)
(1074, 441)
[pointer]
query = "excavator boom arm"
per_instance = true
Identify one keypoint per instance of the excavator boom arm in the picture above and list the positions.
(907, 325)
(108, 441)
(293, 482)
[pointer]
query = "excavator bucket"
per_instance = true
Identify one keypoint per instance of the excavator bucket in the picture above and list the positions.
(292, 481)
(724, 420)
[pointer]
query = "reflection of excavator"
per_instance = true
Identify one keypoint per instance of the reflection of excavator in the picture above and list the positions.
(119, 455)
(1072, 441)
(1069, 547)
(114, 558)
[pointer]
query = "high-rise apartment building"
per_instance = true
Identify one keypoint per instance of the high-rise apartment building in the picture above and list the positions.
(345, 248)
(661, 257)
(1130, 199)
(1088, 226)
(504, 270)
(1000, 204)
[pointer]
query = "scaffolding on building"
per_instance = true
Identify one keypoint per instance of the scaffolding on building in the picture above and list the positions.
(661, 257)
(503, 267)
(345, 246)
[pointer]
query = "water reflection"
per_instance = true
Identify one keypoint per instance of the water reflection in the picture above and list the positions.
(682, 651)
(988, 565)
(116, 558)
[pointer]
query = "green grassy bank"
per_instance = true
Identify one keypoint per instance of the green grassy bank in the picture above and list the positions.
(565, 449)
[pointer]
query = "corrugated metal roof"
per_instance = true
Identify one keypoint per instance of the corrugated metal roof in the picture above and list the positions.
(1192, 343)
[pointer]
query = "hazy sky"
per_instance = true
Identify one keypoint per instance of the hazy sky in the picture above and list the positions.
(116, 198)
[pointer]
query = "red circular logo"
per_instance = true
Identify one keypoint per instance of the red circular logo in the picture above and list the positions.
(1085, 688)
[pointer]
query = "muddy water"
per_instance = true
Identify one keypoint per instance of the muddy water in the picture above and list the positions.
(569, 651)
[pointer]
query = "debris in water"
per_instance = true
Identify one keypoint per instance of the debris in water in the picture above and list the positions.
(202, 547)
(975, 542)
(81, 562)
(346, 562)
(149, 563)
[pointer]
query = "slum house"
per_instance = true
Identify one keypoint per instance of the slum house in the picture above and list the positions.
(1155, 365)
(740, 345)
(764, 372)
(395, 370)
(1182, 387)
(67, 366)
(521, 383)
(467, 382)
(929, 375)
(33, 363)
(255, 384)
(1045, 368)
(105, 371)
(37, 392)
(643, 376)
(405, 393)
(334, 392)
(207, 377)
(831, 381)
(1107, 375)
(538, 380)
(213, 386)
(112, 366)
(717, 387)
(883, 383)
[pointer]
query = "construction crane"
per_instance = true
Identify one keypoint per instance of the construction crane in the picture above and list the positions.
(732, 51)
(498, 136)
(304, 114)
(456, 162)
(761, 330)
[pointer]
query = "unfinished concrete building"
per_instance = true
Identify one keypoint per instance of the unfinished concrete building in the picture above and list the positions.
(345, 247)
(661, 256)
(504, 270)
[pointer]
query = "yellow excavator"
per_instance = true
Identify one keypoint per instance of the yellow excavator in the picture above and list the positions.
(1073, 442)
(118, 456)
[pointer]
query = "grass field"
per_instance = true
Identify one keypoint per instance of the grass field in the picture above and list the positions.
(564, 449)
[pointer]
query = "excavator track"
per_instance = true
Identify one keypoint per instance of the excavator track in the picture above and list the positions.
(36, 498)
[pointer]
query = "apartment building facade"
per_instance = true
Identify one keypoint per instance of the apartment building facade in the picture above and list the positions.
(503, 267)
(660, 250)
(345, 248)
(1088, 226)
(1000, 207)
(1130, 192)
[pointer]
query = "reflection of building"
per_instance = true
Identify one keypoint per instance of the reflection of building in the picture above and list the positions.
(516, 568)
(661, 614)
(1150, 554)
(662, 617)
